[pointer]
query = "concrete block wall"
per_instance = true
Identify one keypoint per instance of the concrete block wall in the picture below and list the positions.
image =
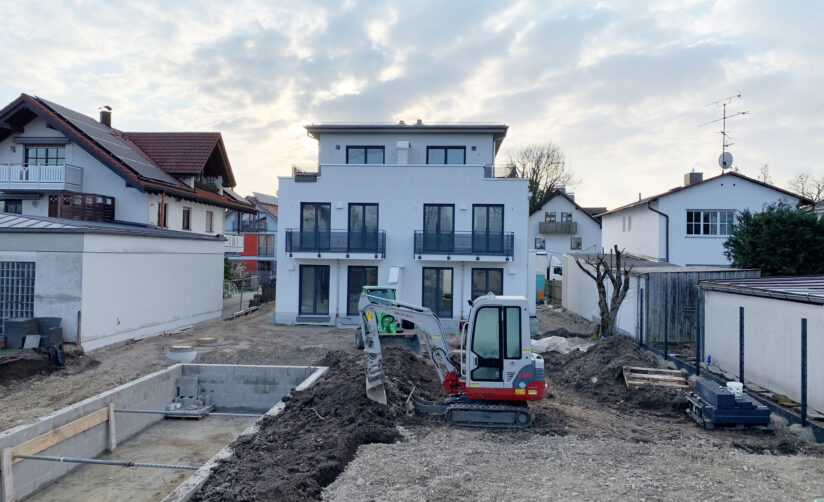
(152, 391)
(246, 386)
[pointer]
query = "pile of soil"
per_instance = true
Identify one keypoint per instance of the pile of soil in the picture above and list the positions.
(23, 364)
(300, 451)
(599, 374)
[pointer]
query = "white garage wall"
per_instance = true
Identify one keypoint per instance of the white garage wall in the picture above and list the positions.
(772, 342)
(139, 286)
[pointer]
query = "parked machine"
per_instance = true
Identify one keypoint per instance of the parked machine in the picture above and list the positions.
(388, 325)
(488, 382)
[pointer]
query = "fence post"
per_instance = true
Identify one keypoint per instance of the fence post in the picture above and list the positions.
(8, 485)
(698, 335)
(741, 345)
(803, 372)
(666, 324)
(112, 438)
(641, 321)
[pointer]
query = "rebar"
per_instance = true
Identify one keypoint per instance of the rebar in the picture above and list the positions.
(119, 463)
(185, 413)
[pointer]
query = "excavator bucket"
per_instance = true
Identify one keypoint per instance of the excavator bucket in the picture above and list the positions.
(410, 342)
(375, 388)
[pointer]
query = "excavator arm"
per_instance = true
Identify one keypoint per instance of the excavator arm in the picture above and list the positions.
(432, 340)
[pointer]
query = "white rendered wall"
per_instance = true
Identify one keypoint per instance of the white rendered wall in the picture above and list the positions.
(139, 286)
(772, 342)
(637, 231)
(401, 192)
(557, 245)
(174, 214)
(328, 153)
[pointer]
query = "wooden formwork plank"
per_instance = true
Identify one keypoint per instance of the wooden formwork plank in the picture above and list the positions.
(659, 371)
(635, 377)
(55, 436)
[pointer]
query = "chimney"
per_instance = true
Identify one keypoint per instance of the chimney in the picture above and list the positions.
(692, 178)
(106, 115)
(419, 122)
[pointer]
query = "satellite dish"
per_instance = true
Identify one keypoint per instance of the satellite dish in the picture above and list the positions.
(725, 160)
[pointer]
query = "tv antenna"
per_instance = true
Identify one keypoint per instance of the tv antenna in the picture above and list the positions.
(725, 160)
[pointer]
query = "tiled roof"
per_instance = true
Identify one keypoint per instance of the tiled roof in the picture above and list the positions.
(270, 208)
(177, 152)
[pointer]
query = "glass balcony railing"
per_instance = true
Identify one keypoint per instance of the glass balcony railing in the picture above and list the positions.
(336, 241)
(464, 243)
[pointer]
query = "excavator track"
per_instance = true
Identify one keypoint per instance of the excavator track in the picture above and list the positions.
(488, 415)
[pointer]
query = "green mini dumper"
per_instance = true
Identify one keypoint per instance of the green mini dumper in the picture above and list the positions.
(391, 331)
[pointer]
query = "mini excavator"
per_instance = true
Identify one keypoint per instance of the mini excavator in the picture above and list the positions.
(488, 382)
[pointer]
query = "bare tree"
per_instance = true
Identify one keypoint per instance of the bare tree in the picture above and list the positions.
(808, 186)
(544, 166)
(608, 267)
(764, 174)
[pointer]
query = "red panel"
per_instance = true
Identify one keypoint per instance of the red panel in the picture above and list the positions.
(250, 245)
(453, 386)
(250, 265)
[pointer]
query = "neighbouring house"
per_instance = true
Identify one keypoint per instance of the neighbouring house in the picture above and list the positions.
(688, 224)
(560, 226)
(110, 212)
(415, 206)
(772, 309)
(661, 302)
(258, 232)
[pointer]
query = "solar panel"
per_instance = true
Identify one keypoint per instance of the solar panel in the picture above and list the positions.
(116, 146)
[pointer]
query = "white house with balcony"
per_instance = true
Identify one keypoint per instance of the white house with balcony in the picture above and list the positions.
(118, 234)
(689, 224)
(415, 206)
(560, 226)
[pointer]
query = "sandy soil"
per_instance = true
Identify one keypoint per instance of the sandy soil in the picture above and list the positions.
(245, 340)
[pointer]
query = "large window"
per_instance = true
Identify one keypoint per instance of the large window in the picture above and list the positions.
(489, 346)
(315, 225)
(715, 222)
(363, 227)
(365, 155)
(14, 206)
(487, 228)
(16, 290)
(210, 222)
(314, 290)
(266, 245)
(438, 227)
(487, 280)
(446, 155)
(437, 291)
(44, 155)
(358, 277)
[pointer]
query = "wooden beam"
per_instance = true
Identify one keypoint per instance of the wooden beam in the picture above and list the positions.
(8, 486)
(112, 434)
(49, 439)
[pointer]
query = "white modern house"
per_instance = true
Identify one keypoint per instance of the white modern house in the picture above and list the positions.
(415, 206)
(688, 224)
(118, 234)
(560, 226)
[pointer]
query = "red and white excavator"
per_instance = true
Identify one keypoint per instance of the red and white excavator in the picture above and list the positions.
(488, 382)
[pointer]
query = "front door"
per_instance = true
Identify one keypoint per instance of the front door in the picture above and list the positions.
(314, 290)
(437, 290)
(495, 345)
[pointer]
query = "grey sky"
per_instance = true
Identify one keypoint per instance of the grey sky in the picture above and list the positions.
(620, 87)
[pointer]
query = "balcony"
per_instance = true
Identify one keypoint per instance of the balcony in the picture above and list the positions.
(464, 246)
(335, 244)
(37, 178)
(234, 243)
(558, 227)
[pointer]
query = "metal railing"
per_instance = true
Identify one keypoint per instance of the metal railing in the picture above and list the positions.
(464, 243)
(311, 172)
(558, 227)
(41, 177)
(234, 242)
(336, 241)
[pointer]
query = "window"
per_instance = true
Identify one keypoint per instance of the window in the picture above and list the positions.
(363, 227)
(438, 228)
(539, 243)
(512, 321)
(549, 216)
(266, 245)
(710, 222)
(16, 290)
(566, 217)
(488, 345)
(13, 206)
(314, 290)
(187, 218)
(446, 155)
(315, 225)
(45, 155)
(365, 155)
(264, 268)
(358, 277)
(487, 280)
(575, 243)
(487, 228)
(210, 226)
(162, 215)
(629, 223)
(437, 291)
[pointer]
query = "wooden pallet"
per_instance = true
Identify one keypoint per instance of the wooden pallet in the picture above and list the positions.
(636, 377)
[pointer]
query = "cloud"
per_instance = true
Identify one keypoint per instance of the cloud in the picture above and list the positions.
(620, 87)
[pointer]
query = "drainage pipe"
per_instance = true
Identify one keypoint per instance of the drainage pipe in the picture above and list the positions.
(119, 463)
(184, 413)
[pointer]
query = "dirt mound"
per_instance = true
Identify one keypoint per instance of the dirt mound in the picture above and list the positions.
(23, 364)
(562, 332)
(302, 450)
(599, 373)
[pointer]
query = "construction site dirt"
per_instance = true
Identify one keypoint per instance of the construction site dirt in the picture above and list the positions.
(591, 439)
